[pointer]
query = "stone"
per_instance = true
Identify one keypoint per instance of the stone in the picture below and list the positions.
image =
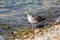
(5, 27)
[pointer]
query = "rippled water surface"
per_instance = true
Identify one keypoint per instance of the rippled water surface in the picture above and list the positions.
(12, 12)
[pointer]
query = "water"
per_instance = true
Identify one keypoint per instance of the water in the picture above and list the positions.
(2, 38)
(12, 12)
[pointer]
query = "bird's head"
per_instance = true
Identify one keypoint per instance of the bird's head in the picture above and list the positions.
(29, 15)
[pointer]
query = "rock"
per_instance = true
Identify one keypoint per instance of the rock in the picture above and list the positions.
(5, 27)
(15, 34)
(25, 31)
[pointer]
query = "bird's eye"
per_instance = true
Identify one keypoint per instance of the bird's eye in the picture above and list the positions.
(29, 15)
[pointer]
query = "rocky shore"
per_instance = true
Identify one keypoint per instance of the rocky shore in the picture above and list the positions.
(48, 32)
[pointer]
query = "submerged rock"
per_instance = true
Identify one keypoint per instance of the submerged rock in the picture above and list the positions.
(5, 27)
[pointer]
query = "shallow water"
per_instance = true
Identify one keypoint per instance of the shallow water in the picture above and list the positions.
(12, 12)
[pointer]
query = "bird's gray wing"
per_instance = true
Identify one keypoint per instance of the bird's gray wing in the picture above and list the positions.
(39, 18)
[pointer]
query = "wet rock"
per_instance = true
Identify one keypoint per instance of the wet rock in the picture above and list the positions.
(5, 27)
(7, 38)
(17, 39)
(15, 34)
(25, 30)
(31, 34)
(27, 33)
(37, 31)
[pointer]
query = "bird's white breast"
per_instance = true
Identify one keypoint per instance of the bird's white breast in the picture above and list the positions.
(32, 20)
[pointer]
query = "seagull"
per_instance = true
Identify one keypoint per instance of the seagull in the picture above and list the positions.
(34, 20)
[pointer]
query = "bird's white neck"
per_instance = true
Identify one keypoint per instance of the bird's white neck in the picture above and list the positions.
(30, 16)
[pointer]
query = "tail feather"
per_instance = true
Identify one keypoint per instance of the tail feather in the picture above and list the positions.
(41, 19)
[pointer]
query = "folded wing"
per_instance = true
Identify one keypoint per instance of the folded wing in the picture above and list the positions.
(39, 18)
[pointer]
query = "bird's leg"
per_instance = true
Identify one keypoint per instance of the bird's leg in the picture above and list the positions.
(32, 26)
(35, 25)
